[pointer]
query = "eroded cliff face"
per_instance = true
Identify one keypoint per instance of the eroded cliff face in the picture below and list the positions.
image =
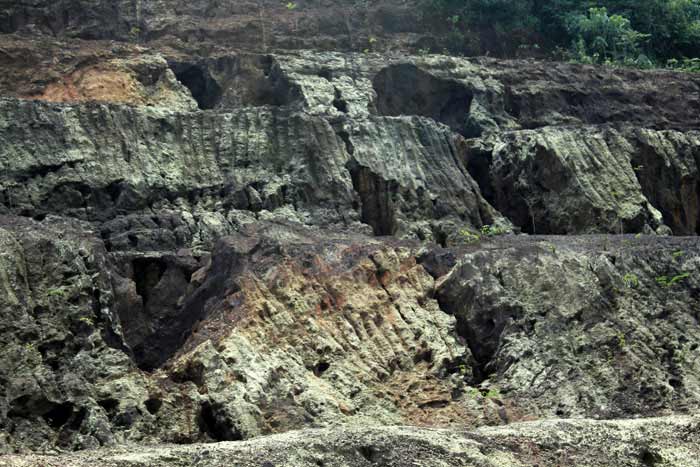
(205, 244)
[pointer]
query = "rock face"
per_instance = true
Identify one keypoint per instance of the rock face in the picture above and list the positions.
(336, 327)
(666, 441)
(203, 244)
(604, 340)
(539, 177)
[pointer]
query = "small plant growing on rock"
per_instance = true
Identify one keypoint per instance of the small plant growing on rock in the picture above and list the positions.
(662, 281)
(469, 237)
(291, 5)
(474, 393)
(86, 320)
(370, 47)
(56, 292)
(135, 33)
(551, 247)
(621, 341)
(492, 230)
(679, 277)
(666, 281)
(631, 280)
(690, 65)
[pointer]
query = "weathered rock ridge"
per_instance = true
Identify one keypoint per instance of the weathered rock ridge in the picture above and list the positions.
(634, 443)
(286, 326)
(202, 240)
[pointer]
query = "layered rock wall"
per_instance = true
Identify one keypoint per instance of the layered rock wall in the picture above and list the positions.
(203, 240)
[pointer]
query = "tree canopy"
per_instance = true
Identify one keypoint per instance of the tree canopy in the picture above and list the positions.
(633, 32)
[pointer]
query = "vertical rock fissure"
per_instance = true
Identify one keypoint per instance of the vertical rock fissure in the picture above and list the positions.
(155, 322)
(376, 198)
(481, 351)
(203, 87)
(214, 423)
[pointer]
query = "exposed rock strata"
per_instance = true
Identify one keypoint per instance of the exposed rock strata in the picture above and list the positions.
(611, 179)
(630, 443)
(204, 244)
(535, 168)
(335, 327)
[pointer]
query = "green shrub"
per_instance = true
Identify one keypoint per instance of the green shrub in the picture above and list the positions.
(631, 280)
(615, 32)
(604, 38)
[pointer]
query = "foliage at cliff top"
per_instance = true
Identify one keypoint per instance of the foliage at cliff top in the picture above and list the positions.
(630, 32)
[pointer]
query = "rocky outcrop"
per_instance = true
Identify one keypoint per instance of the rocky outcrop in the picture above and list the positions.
(630, 443)
(203, 244)
(175, 180)
(59, 334)
(613, 179)
(535, 166)
(607, 323)
(339, 328)
(202, 25)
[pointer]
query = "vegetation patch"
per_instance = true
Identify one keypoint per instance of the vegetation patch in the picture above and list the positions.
(650, 33)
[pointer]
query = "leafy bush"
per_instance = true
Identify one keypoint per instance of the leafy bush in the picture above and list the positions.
(605, 38)
(641, 33)
(691, 65)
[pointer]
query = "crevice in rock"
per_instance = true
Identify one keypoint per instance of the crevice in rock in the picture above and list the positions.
(109, 405)
(369, 453)
(147, 275)
(56, 415)
(479, 167)
(440, 237)
(149, 304)
(511, 102)
(326, 73)
(153, 405)
(125, 419)
(321, 367)
(345, 136)
(649, 458)
(480, 326)
(423, 355)
(377, 198)
(193, 372)
(203, 87)
(214, 423)
(339, 103)
(437, 262)
(675, 195)
(77, 419)
(405, 89)
(59, 415)
(482, 351)
(237, 81)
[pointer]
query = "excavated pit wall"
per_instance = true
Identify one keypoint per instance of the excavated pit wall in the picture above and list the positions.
(217, 246)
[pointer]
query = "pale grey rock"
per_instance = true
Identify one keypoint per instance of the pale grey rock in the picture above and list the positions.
(581, 326)
(669, 441)
(599, 179)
